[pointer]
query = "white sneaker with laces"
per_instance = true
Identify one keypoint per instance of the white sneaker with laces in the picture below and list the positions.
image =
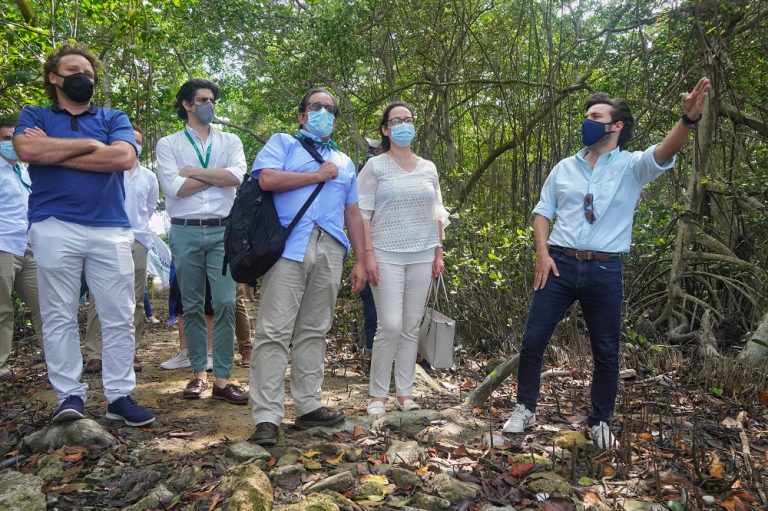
(601, 435)
(179, 360)
(521, 419)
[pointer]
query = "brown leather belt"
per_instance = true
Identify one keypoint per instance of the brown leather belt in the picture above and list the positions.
(585, 255)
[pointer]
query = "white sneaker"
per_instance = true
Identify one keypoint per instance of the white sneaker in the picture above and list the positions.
(601, 435)
(521, 419)
(210, 362)
(179, 360)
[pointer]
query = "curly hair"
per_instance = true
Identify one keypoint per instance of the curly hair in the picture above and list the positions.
(187, 93)
(52, 65)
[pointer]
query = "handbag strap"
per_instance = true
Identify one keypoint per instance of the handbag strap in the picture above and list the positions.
(433, 295)
(316, 155)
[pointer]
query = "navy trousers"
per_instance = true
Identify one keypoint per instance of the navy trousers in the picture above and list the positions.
(598, 287)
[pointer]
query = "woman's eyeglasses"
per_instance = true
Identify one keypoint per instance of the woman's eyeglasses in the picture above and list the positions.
(398, 121)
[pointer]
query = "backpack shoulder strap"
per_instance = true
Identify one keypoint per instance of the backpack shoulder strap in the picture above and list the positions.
(316, 155)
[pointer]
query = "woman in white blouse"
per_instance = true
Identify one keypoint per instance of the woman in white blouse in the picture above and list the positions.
(403, 215)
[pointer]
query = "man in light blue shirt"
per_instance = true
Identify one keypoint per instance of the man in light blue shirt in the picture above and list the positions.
(592, 197)
(298, 293)
(18, 272)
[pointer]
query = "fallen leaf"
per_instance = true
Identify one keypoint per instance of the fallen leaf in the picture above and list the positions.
(370, 478)
(334, 460)
(73, 458)
(558, 504)
(311, 464)
(422, 471)
(468, 384)
(609, 471)
(762, 398)
(70, 488)
(75, 448)
(215, 501)
(716, 468)
(11, 454)
(519, 470)
(478, 411)
(645, 435)
(271, 462)
(311, 453)
(358, 431)
(460, 451)
(197, 495)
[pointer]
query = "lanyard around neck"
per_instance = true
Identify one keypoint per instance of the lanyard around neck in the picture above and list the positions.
(17, 171)
(203, 162)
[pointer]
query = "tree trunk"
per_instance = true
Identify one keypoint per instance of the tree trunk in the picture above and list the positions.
(756, 349)
(478, 396)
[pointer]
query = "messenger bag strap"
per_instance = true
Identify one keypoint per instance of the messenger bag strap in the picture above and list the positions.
(316, 155)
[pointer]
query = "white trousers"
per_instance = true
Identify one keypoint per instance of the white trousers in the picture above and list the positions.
(400, 297)
(296, 310)
(62, 251)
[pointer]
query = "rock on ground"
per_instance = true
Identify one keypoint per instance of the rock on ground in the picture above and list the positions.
(21, 492)
(251, 490)
(80, 432)
(452, 489)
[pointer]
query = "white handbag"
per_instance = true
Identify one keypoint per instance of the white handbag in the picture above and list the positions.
(437, 330)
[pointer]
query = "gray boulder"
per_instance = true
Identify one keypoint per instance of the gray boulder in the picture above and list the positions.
(80, 432)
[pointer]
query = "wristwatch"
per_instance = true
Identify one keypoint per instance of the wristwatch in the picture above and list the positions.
(688, 122)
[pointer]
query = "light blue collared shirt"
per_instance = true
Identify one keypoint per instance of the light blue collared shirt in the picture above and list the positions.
(284, 152)
(614, 182)
(13, 209)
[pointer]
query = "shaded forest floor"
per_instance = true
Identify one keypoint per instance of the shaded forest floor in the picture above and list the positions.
(680, 446)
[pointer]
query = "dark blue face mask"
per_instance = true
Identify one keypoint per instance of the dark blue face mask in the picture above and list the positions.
(593, 131)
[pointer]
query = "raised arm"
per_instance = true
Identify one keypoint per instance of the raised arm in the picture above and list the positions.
(693, 105)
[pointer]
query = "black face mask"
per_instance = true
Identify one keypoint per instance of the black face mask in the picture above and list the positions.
(78, 87)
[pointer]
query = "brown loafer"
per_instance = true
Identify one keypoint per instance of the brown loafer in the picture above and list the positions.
(93, 366)
(195, 388)
(230, 393)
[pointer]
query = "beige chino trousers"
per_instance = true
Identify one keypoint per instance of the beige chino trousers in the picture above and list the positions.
(295, 313)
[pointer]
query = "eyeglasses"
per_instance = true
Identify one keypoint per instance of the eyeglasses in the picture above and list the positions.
(398, 121)
(316, 107)
(588, 209)
(204, 101)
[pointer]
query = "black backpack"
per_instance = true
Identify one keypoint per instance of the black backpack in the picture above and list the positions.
(254, 238)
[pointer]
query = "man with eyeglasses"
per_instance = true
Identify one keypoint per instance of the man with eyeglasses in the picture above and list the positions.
(199, 168)
(592, 196)
(298, 293)
(78, 153)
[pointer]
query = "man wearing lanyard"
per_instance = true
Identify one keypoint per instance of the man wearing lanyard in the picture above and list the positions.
(78, 153)
(199, 168)
(18, 272)
(141, 196)
(298, 293)
(593, 196)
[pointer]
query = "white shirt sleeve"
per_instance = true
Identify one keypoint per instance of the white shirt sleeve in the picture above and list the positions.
(167, 168)
(367, 184)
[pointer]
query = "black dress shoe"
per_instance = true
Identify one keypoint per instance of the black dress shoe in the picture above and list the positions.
(266, 434)
(321, 417)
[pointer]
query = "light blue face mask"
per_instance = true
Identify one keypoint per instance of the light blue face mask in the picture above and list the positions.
(320, 123)
(402, 134)
(6, 149)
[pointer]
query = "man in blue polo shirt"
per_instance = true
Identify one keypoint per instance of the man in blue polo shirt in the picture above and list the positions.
(593, 196)
(77, 154)
(299, 292)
